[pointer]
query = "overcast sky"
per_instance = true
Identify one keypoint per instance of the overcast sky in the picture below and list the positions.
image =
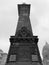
(39, 16)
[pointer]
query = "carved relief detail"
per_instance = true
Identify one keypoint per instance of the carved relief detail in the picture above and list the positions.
(24, 32)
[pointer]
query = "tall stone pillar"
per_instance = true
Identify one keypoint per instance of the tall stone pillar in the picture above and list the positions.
(24, 48)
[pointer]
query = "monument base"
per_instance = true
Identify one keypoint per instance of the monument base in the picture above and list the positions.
(23, 63)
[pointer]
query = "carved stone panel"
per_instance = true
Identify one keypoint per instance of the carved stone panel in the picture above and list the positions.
(24, 32)
(12, 58)
(34, 58)
(24, 53)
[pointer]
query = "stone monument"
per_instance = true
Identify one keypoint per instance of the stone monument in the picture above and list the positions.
(24, 48)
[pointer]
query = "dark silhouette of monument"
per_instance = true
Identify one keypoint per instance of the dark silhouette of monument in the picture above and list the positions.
(24, 48)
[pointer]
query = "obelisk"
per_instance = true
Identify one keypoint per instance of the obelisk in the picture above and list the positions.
(24, 48)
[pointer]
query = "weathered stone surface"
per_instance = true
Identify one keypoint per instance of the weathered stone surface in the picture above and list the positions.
(23, 49)
(24, 63)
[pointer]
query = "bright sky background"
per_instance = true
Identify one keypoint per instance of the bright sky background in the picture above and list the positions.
(39, 16)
